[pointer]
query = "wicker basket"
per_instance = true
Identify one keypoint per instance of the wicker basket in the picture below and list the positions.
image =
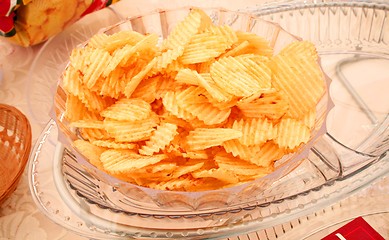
(15, 146)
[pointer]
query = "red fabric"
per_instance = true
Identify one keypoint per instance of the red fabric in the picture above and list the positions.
(5, 6)
(7, 23)
(96, 5)
(358, 229)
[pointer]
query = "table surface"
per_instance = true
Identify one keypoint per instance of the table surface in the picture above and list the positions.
(19, 216)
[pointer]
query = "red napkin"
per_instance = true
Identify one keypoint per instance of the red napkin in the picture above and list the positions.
(358, 229)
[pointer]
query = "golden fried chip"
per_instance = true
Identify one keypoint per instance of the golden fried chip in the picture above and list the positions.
(119, 161)
(241, 76)
(268, 154)
(183, 31)
(147, 89)
(272, 105)
(125, 109)
(291, 133)
(134, 82)
(257, 44)
(222, 174)
(237, 149)
(169, 101)
(160, 138)
(96, 124)
(203, 138)
(90, 151)
(130, 131)
(241, 167)
(109, 143)
(97, 60)
(116, 40)
(300, 79)
(256, 131)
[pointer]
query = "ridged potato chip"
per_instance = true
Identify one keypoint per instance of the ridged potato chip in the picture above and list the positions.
(160, 138)
(110, 143)
(241, 76)
(300, 79)
(125, 109)
(90, 151)
(291, 133)
(130, 131)
(203, 138)
(272, 105)
(255, 131)
(119, 161)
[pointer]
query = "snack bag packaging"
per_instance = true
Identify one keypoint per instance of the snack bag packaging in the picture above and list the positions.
(30, 22)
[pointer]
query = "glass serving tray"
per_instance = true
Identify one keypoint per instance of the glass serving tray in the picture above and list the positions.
(352, 39)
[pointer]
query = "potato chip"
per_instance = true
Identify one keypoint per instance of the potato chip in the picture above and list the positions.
(112, 85)
(236, 50)
(90, 151)
(97, 61)
(147, 89)
(134, 82)
(117, 161)
(221, 174)
(88, 124)
(291, 133)
(184, 31)
(125, 109)
(257, 44)
(187, 76)
(76, 110)
(203, 138)
(193, 100)
(256, 131)
(109, 143)
(160, 138)
(169, 101)
(240, 76)
(300, 79)
(303, 48)
(115, 41)
(130, 131)
(272, 105)
(241, 168)
(268, 153)
(93, 134)
(187, 168)
(200, 154)
(237, 149)
(167, 84)
(309, 119)
(165, 59)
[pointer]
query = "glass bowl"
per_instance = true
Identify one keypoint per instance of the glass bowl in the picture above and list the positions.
(15, 146)
(113, 193)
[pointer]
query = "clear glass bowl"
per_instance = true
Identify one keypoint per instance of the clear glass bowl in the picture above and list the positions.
(120, 195)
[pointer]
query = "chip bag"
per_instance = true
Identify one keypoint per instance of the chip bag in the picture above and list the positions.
(30, 22)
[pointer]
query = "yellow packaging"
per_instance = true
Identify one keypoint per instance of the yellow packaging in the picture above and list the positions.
(30, 22)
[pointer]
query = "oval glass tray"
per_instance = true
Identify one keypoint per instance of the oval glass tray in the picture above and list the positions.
(307, 215)
(351, 156)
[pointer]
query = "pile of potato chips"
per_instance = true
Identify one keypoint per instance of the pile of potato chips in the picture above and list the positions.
(209, 107)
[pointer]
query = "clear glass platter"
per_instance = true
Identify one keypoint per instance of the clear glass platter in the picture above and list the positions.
(356, 58)
(314, 215)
